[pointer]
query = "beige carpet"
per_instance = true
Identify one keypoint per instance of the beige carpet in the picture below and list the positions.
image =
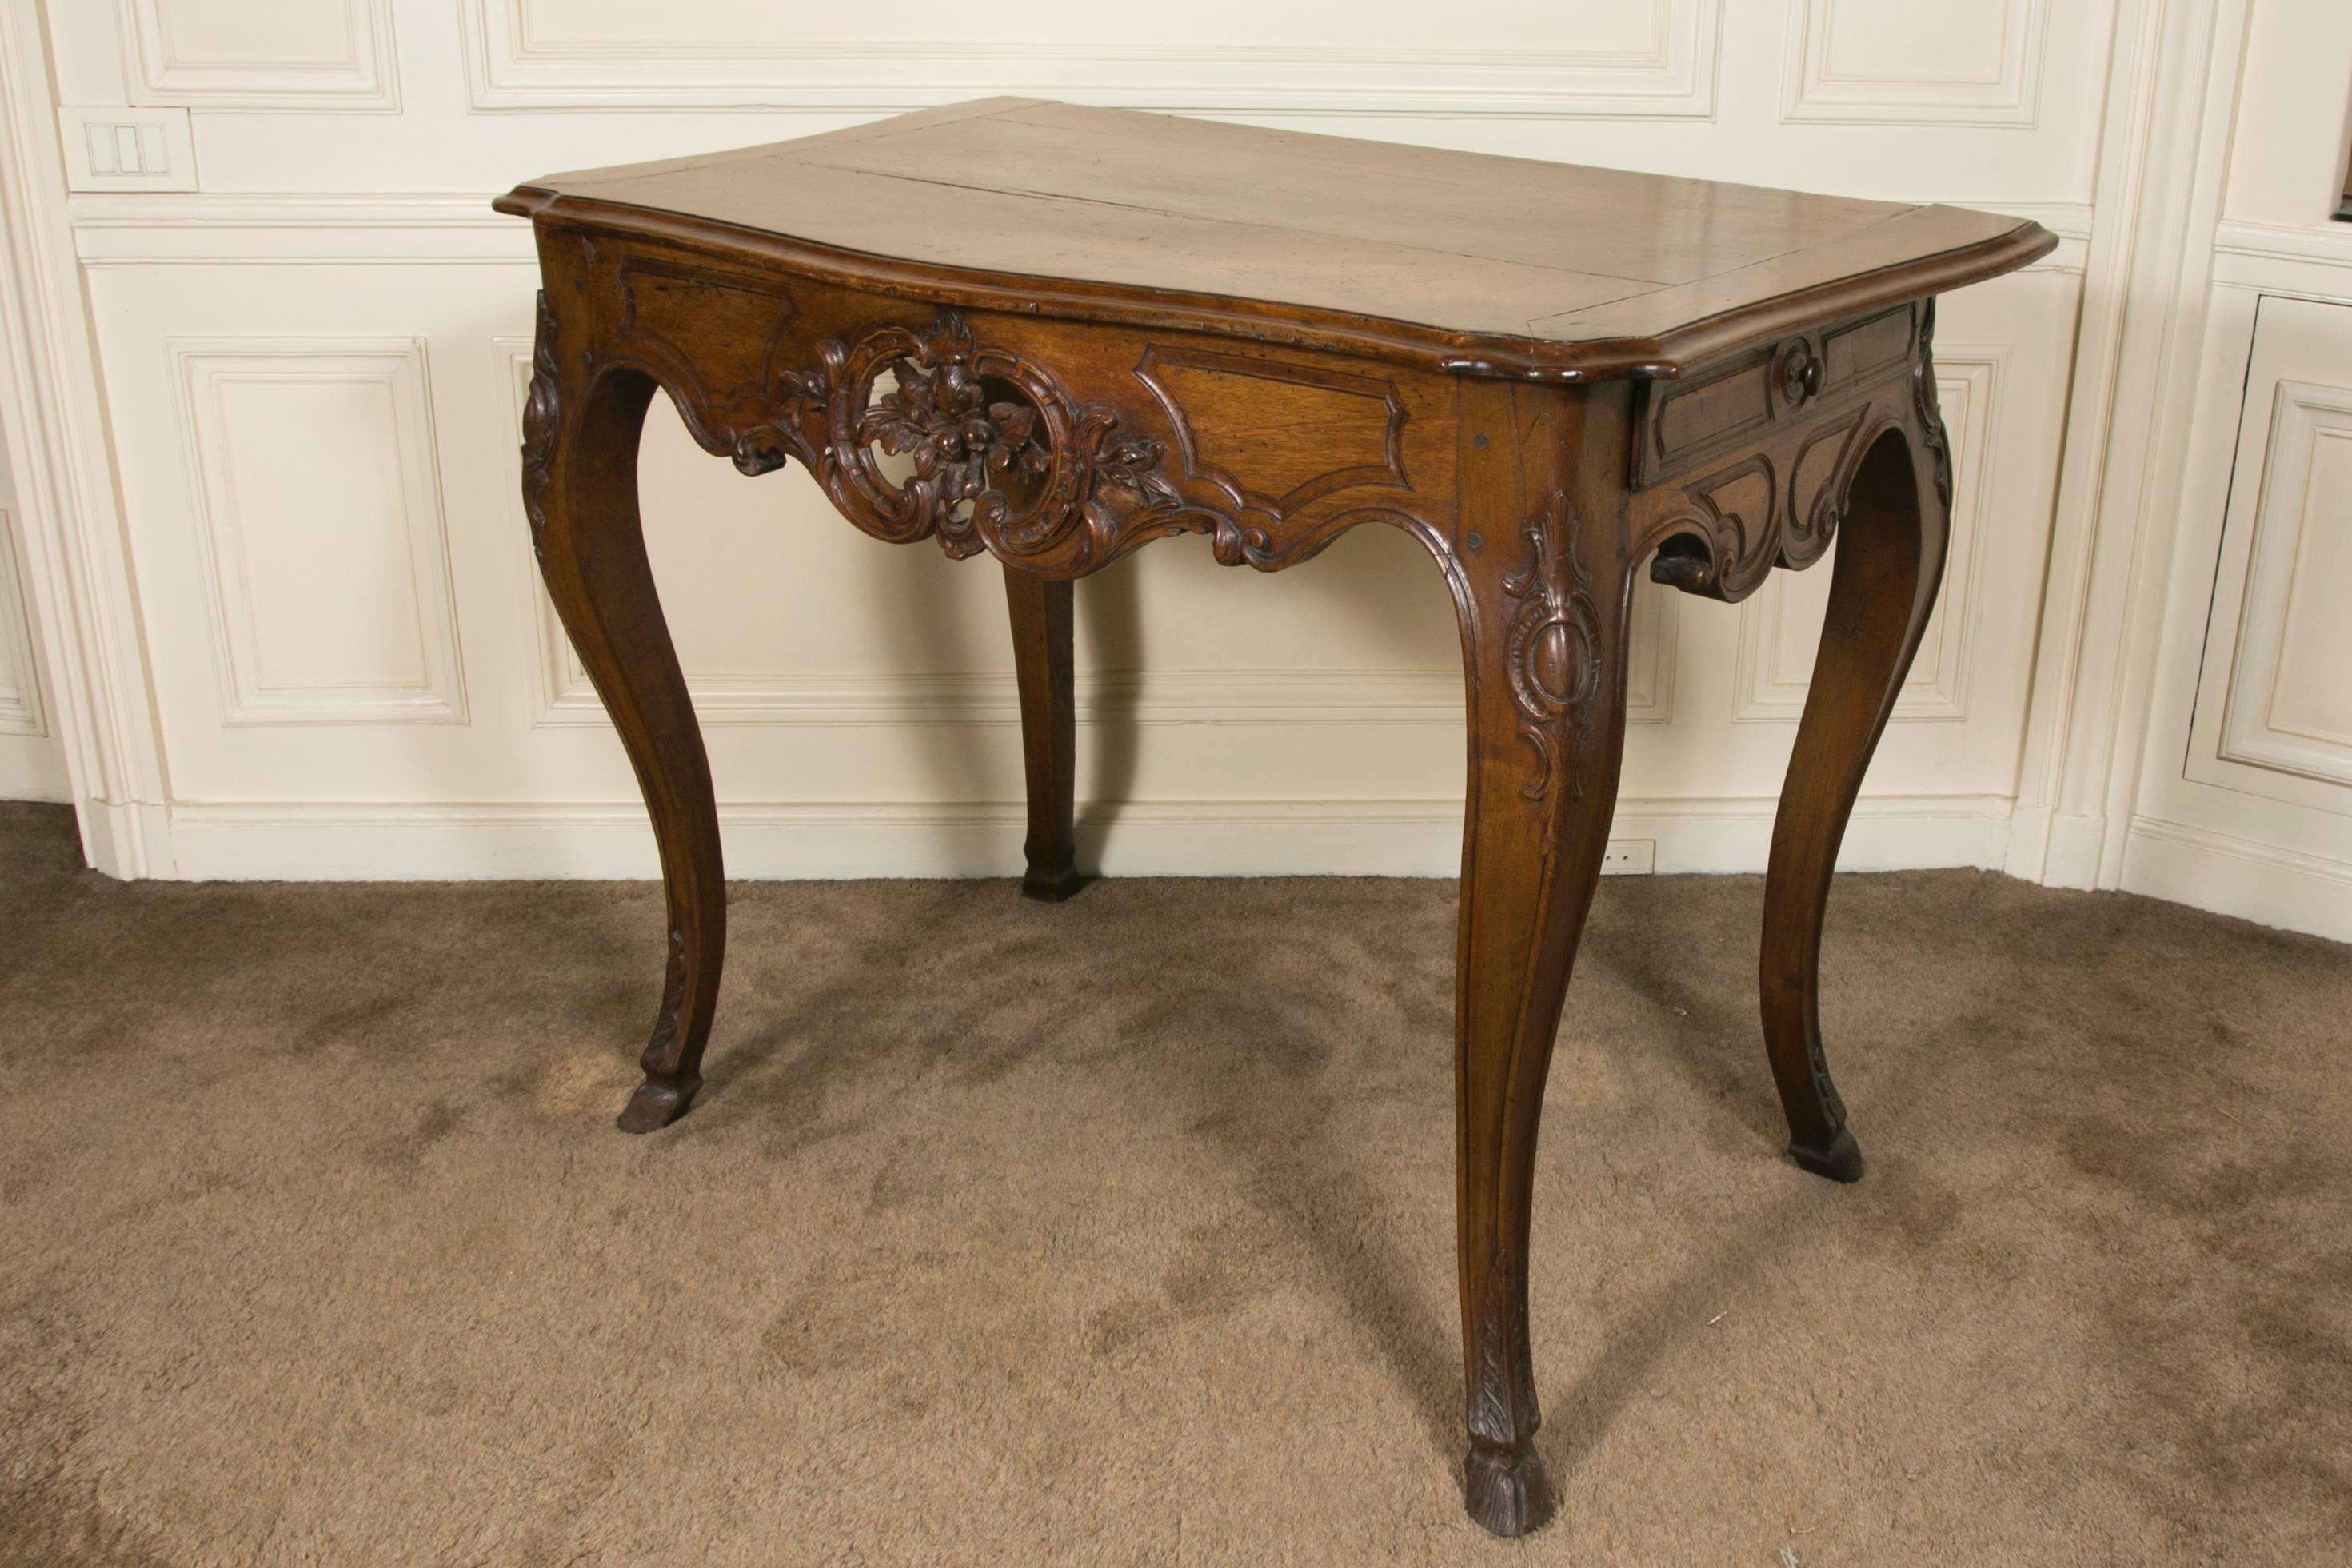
(1120, 1232)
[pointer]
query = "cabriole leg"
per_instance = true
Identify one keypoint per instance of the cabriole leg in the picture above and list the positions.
(1890, 559)
(1542, 601)
(1042, 636)
(580, 486)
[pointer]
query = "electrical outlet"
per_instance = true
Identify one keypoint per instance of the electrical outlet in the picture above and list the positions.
(1630, 857)
(113, 148)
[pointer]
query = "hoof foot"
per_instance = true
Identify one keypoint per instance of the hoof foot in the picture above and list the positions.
(1053, 887)
(1841, 1160)
(655, 1105)
(1508, 1494)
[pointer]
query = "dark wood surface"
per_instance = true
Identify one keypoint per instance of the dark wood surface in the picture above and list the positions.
(1456, 258)
(1268, 339)
(1044, 632)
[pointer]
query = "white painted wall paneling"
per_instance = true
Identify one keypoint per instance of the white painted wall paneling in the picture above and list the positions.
(2238, 806)
(1541, 57)
(21, 709)
(32, 762)
(1867, 60)
(2275, 698)
(1501, 76)
(2286, 160)
(2246, 796)
(2171, 96)
(859, 696)
(274, 55)
(318, 509)
(67, 538)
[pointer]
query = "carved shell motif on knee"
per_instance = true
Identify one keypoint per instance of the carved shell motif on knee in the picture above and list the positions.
(1553, 643)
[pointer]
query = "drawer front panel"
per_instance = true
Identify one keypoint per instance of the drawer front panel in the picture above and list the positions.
(1689, 423)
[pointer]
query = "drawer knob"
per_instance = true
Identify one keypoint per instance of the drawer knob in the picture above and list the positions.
(1800, 372)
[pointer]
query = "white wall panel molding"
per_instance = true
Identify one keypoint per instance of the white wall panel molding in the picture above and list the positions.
(1227, 695)
(20, 683)
(79, 570)
(2314, 263)
(2329, 243)
(318, 497)
(2248, 839)
(2288, 706)
(176, 228)
(294, 55)
(1224, 695)
(1779, 626)
(936, 839)
(2271, 729)
(2171, 95)
(1654, 635)
(1894, 63)
(1605, 58)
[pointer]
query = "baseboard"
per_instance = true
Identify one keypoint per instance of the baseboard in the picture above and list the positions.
(124, 839)
(2029, 841)
(2256, 882)
(2070, 857)
(1168, 838)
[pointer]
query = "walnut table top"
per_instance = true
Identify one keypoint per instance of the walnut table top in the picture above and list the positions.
(1455, 259)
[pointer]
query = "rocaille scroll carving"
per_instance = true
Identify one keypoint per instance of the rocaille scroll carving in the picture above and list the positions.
(1552, 644)
(1779, 503)
(1773, 506)
(1928, 408)
(1003, 458)
(542, 414)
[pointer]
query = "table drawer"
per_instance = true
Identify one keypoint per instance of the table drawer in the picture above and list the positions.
(1751, 471)
(1688, 423)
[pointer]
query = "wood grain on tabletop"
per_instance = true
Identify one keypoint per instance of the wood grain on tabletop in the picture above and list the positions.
(1469, 245)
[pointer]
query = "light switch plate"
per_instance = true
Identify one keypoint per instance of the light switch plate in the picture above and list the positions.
(111, 149)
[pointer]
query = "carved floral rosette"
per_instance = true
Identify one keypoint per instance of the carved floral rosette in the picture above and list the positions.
(1003, 459)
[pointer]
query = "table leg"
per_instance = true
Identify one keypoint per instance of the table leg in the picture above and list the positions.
(1543, 612)
(1042, 637)
(1890, 559)
(580, 486)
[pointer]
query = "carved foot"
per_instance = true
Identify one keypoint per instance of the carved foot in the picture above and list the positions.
(1508, 1494)
(1839, 1161)
(657, 1105)
(1053, 887)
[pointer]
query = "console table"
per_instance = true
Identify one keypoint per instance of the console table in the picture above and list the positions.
(1053, 333)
